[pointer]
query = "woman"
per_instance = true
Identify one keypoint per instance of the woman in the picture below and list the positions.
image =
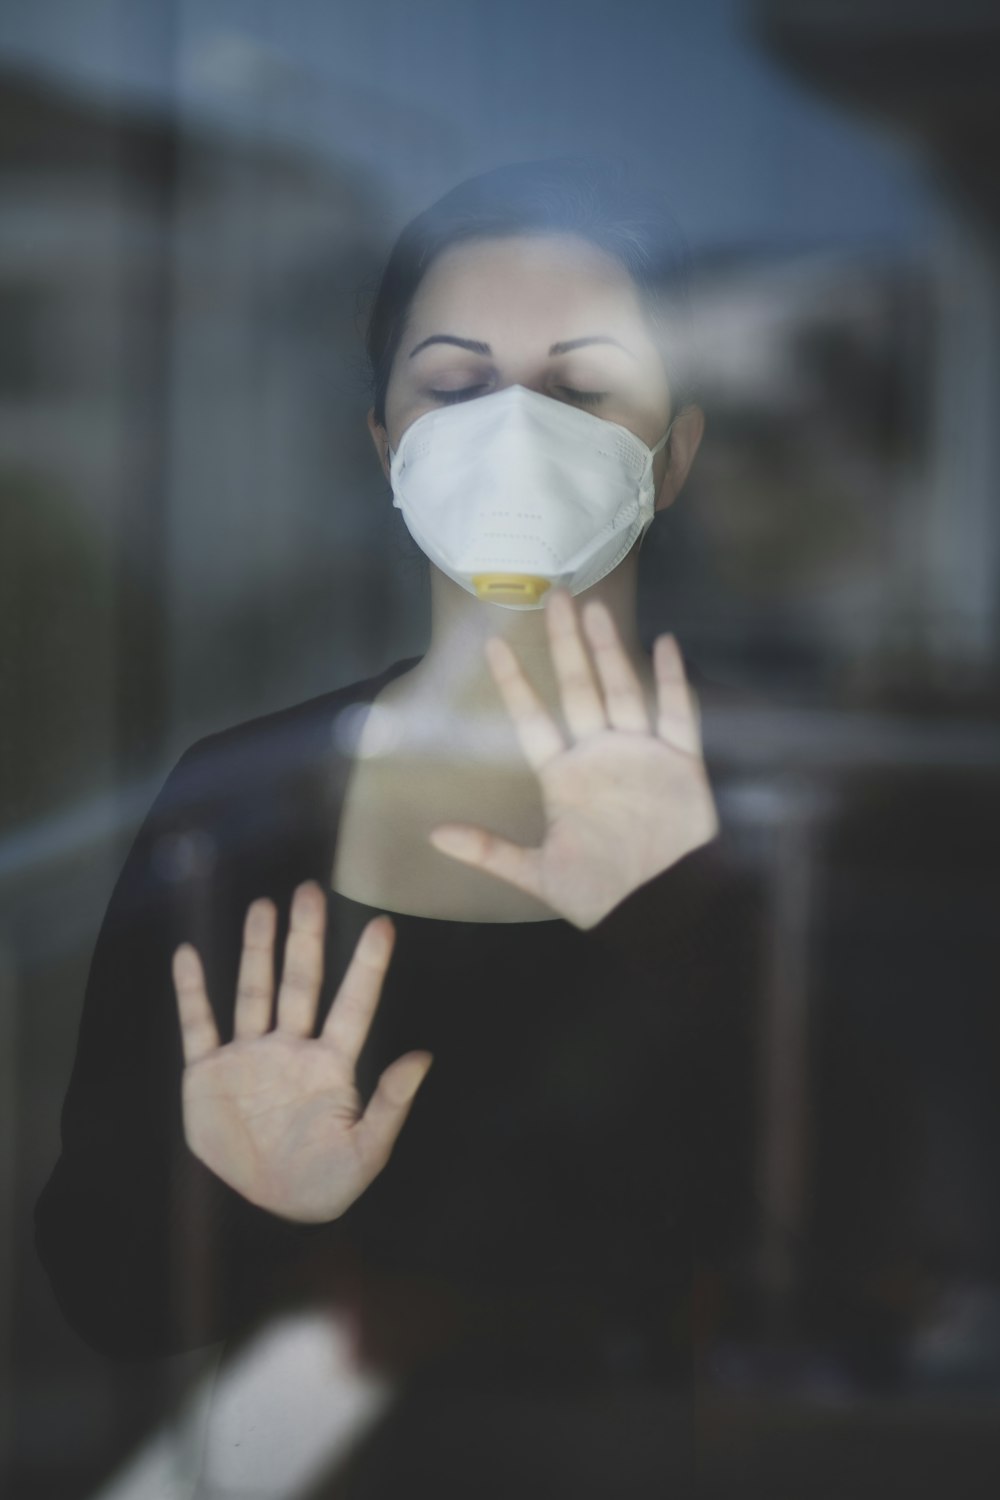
(500, 856)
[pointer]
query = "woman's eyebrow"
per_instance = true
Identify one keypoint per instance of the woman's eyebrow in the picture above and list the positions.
(475, 346)
(594, 338)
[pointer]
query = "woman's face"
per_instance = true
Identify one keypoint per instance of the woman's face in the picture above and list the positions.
(553, 313)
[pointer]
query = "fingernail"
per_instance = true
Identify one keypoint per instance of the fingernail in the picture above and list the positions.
(380, 933)
(184, 961)
(412, 1080)
(260, 918)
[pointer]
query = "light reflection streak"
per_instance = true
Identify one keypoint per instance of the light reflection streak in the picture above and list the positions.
(263, 1426)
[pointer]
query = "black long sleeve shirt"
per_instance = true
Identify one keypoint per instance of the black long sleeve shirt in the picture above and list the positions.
(582, 1118)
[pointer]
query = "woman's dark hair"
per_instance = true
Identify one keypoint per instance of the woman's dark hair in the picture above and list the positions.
(575, 195)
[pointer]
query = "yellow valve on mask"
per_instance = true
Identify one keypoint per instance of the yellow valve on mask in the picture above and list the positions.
(510, 588)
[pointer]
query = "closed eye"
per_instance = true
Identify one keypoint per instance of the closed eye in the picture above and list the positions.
(585, 398)
(469, 392)
(465, 394)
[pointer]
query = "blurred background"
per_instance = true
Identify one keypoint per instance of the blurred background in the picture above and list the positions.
(195, 199)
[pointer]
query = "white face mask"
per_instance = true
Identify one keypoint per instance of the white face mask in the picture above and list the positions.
(514, 492)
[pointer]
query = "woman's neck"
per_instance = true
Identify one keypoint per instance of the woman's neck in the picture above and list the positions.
(451, 697)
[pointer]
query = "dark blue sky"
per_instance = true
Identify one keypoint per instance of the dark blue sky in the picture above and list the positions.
(421, 93)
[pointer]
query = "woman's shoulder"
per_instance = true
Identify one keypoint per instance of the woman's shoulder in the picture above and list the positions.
(260, 784)
(283, 742)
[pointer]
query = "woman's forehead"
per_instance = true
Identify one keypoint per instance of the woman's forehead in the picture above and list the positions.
(539, 282)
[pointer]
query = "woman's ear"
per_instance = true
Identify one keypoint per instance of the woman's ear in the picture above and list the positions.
(380, 438)
(682, 445)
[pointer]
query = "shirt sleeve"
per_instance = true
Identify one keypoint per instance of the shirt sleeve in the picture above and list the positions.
(148, 1252)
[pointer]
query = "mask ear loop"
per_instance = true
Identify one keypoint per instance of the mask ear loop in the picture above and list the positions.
(652, 454)
(664, 439)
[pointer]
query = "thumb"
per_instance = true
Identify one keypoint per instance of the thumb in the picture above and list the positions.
(486, 851)
(376, 1131)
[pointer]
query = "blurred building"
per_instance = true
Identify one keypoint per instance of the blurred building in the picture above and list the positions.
(927, 72)
(793, 555)
(181, 425)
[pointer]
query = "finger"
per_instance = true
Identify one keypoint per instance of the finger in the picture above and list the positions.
(578, 692)
(376, 1132)
(302, 968)
(536, 731)
(676, 713)
(485, 851)
(347, 1025)
(623, 696)
(199, 1033)
(255, 981)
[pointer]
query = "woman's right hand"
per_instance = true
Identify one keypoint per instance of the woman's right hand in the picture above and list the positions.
(275, 1112)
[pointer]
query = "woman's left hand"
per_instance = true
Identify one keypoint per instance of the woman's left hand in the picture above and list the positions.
(624, 798)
